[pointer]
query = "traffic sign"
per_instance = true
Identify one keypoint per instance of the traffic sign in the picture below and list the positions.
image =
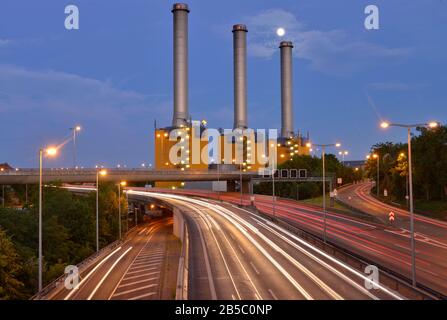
(391, 216)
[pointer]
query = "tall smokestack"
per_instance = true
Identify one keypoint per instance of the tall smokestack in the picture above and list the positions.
(240, 75)
(181, 114)
(286, 89)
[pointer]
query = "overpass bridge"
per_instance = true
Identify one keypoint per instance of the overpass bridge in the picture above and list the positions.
(31, 176)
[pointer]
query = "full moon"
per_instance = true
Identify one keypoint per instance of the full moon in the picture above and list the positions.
(280, 32)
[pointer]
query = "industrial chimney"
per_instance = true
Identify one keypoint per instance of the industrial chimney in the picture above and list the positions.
(181, 113)
(240, 75)
(286, 89)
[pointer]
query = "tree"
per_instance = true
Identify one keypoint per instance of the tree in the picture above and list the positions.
(10, 268)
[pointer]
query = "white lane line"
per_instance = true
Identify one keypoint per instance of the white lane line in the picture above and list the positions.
(150, 254)
(140, 276)
(139, 271)
(242, 250)
(321, 262)
(148, 261)
(324, 254)
(204, 218)
(208, 266)
(90, 273)
(136, 289)
(136, 282)
(143, 267)
(254, 268)
(108, 272)
(272, 294)
(154, 229)
(244, 231)
(143, 296)
(257, 294)
(139, 233)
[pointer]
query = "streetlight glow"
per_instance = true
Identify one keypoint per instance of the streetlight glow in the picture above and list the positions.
(103, 172)
(338, 145)
(51, 151)
(123, 183)
(433, 124)
(384, 124)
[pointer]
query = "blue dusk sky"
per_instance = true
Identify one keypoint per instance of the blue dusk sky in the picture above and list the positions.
(114, 75)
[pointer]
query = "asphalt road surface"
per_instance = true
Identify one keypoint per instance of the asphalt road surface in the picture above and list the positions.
(388, 246)
(236, 254)
(133, 271)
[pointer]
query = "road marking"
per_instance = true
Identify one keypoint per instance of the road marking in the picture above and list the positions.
(139, 233)
(137, 263)
(108, 272)
(272, 294)
(150, 254)
(91, 272)
(254, 268)
(242, 250)
(143, 275)
(139, 271)
(136, 282)
(143, 296)
(143, 267)
(136, 289)
(204, 218)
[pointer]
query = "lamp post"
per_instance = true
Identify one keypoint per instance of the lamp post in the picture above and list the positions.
(75, 130)
(431, 125)
(243, 164)
(376, 156)
(49, 152)
(343, 154)
(121, 184)
(323, 158)
(273, 180)
(98, 173)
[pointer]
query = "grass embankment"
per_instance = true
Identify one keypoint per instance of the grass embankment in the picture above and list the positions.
(434, 209)
(318, 201)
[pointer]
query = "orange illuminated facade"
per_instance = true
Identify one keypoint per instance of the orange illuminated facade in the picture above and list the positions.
(177, 143)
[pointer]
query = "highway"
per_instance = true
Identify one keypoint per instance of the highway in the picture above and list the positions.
(358, 196)
(133, 271)
(385, 245)
(240, 255)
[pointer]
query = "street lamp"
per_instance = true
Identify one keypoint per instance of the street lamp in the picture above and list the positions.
(75, 130)
(376, 156)
(431, 125)
(240, 177)
(51, 152)
(323, 156)
(121, 184)
(343, 154)
(101, 172)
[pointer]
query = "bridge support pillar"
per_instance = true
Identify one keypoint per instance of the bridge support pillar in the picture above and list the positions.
(179, 224)
(246, 187)
(231, 186)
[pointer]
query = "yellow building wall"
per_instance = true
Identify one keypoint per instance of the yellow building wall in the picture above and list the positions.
(285, 152)
(163, 146)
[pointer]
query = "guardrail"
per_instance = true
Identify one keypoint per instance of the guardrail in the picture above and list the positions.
(181, 292)
(57, 285)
